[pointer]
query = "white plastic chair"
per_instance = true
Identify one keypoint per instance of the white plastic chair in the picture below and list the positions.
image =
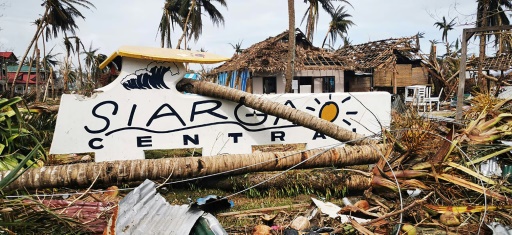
(421, 98)
(435, 99)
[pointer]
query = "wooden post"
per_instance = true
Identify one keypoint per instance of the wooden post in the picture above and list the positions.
(466, 35)
(394, 82)
(462, 76)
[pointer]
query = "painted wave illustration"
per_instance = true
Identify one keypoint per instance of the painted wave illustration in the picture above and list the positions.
(152, 77)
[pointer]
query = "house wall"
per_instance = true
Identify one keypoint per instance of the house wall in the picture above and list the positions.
(359, 83)
(406, 75)
(257, 80)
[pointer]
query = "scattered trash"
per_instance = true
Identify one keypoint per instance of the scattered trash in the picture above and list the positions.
(490, 167)
(213, 203)
(414, 193)
(300, 223)
(450, 219)
(261, 230)
(332, 211)
(499, 229)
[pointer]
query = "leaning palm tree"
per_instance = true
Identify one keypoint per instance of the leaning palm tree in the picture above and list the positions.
(339, 25)
(193, 24)
(312, 14)
(58, 16)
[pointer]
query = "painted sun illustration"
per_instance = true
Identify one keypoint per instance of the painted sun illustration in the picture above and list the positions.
(330, 110)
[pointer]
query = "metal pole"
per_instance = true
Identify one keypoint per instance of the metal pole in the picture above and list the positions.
(462, 76)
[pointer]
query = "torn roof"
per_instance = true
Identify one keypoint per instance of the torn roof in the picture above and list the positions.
(271, 56)
(379, 54)
(501, 62)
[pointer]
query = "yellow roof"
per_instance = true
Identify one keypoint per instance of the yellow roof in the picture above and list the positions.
(164, 54)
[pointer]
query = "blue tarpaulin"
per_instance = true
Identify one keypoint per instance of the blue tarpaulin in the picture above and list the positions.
(233, 79)
(244, 76)
(222, 78)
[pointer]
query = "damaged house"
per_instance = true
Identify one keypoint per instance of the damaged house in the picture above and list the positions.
(261, 68)
(384, 65)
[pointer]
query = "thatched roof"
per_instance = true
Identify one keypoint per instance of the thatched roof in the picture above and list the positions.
(379, 54)
(271, 56)
(501, 62)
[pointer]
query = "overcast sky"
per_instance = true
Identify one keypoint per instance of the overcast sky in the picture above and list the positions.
(135, 22)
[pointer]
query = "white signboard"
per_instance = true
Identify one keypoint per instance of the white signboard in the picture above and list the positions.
(142, 110)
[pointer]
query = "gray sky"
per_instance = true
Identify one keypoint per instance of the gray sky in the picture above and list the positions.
(133, 22)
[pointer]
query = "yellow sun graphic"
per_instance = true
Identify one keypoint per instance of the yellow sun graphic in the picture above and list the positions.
(330, 110)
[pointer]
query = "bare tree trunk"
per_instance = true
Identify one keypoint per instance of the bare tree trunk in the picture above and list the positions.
(36, 36)
(47, 85)
(482, 81)
(272, 108)
(192, 6)
(291, 47)
(29, 71)
(117, 172)
(81, 82)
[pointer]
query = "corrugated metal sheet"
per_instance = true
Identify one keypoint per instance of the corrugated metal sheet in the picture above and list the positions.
(144, 211)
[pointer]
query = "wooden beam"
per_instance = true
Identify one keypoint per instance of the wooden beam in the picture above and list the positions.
(491, 28)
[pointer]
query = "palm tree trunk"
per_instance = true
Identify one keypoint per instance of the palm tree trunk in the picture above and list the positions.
(326, 36)
(36, 36)
(45, 65)
(291, 47)
(65, 73)
(117, 172)
(80, 73)
(38, 73)
(192, 6)
(318, 180)
(272, 108)
(482, 80)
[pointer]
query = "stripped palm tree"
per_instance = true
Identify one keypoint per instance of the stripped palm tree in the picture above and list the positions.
(339, 25)
(49, 62)
(193, 24)
(90, 62)
(59, 16)
(170, 17)
(445, 26)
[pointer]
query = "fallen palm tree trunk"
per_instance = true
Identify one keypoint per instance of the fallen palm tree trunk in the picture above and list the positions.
(273, 108)
(318, 180)
(116, 172)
